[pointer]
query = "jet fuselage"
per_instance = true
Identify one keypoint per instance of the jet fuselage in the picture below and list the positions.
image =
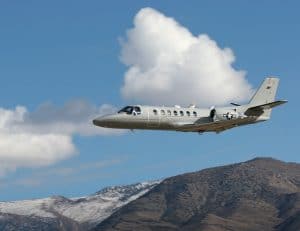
(168, 118)
(193, 119)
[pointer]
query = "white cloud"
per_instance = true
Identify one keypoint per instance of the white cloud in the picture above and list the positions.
(75, 117)
(169, 65)
(44, 136)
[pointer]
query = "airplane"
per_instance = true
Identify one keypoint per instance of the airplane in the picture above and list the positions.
(193, 119)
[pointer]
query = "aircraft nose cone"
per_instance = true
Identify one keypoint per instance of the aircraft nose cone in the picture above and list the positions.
(103, 121)
(94, 121)
(100, 121)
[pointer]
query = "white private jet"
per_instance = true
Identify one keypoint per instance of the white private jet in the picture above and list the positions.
(193, 119)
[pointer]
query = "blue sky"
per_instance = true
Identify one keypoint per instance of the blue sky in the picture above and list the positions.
(64, 51)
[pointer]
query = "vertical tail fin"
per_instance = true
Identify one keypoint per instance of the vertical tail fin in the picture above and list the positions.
(265, 94)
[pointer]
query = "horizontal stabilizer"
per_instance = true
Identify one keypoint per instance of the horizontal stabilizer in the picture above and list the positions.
(259, 109)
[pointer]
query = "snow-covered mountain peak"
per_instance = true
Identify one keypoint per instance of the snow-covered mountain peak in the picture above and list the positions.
(123, 192)
(84, 210)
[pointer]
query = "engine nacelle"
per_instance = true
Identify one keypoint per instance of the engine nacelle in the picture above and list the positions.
(224, 114)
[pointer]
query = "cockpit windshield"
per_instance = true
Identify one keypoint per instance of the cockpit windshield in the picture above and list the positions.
(131, 110)
(127, 110)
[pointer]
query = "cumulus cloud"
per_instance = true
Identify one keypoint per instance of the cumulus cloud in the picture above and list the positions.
(167, 64)
(44, 136)
(72, 118)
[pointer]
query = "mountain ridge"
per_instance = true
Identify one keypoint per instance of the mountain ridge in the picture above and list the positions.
(251, 195)
(259, 194)
(61, 213)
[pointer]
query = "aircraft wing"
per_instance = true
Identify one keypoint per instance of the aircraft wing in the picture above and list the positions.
(217, 126)
(258, 110)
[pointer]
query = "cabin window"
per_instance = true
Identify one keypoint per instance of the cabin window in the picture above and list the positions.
(188, 113)
(181, 113)
(155, 112)
(195, 113)
(169, 112)
(162, 112)
(175, 113)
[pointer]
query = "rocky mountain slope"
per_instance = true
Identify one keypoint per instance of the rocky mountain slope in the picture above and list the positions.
(261, 194)
(60, 213)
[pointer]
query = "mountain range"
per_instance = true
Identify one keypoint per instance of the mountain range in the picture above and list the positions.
(259, 194)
